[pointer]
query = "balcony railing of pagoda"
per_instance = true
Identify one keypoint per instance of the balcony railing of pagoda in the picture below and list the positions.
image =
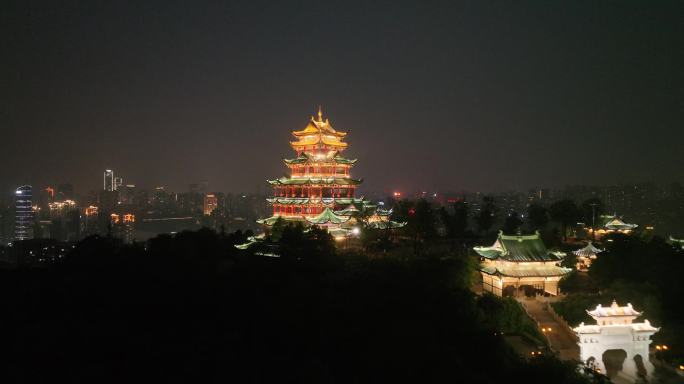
(294, 192)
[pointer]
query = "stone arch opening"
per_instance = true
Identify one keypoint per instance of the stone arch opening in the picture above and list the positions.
(640, 367)
(613, 360)
(528, 290)
(508, 291)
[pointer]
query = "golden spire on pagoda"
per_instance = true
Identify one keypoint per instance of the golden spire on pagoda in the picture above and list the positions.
(318, 132)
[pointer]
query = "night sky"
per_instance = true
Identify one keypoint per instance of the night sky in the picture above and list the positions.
(478, 96)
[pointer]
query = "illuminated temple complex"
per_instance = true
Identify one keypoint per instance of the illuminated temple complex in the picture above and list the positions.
(517, 261)
(319, 189)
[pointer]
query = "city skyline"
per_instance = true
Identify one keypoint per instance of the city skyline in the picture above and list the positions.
(454, 96)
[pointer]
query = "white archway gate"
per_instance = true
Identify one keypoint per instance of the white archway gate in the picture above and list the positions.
(615, 330)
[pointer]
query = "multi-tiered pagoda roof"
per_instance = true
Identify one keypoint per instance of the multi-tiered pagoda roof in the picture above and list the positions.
(332, 157)
(315, 181)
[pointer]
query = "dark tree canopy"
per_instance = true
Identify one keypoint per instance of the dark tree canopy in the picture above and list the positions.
(487, 214)
(512, 223)
(192, 308)
(566, 213)
(537, 217)
(591, 211)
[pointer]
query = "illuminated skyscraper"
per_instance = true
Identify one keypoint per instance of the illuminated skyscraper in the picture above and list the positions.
(210, 203)
(109, 184)
(23, 213)
(123, 226)
(127, 194)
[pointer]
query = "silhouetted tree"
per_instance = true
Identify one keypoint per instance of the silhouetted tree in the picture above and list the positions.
(421, 223)
(190, 307)
(400, 211)
(455, 222)
(276, 230)
(512, 223)
(537, 217)
(591, 210)
(485, 218)
(566, 213)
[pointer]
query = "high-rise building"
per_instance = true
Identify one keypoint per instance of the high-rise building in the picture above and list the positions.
(210, 203)
(123, 226)
(109, 184)
(90, 221)
(127, 194)
(23, 213)
(107, 201)
(118, 182)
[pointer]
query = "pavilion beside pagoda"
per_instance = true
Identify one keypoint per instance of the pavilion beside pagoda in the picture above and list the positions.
(614, 224)
(678, 243)
(586, 256)
(516, 261)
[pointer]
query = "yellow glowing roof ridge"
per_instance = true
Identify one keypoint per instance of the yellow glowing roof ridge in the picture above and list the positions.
(318, 138)
(319, 126)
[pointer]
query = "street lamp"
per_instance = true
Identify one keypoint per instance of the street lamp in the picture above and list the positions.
(593, 219)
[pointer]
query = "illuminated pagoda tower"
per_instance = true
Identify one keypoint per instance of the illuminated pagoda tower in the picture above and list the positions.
(319, 189)
(516, 261)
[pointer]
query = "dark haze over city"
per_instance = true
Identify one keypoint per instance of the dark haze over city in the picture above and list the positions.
(434, 95)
